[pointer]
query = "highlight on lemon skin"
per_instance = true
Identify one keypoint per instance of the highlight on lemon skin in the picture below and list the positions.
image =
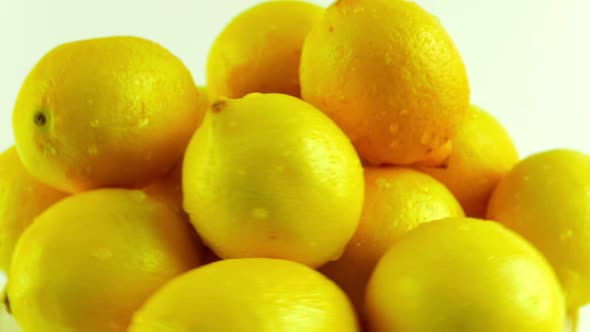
(396, 201)
(462, 274)
(483, 152)
(257, 294)
(98, 255)
(260, 49)
(545, 199)
(269, 175)
(390, 76)
(22, 199)
(105, 112)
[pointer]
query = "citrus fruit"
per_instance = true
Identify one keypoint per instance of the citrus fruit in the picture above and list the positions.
(106, 112)
(204, 99)
(168, 189)
(396, 201)
(390, 76)
(269, 175)
(546, 199)
(482, 153)
(464, 275)
(91, 260)
(249, 294)
(260, 50)
(22, 198)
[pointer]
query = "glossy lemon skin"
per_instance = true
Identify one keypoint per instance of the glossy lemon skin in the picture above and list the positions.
(464, 275)
(546, 199)
(252, 294)
(391, 77)
(260, 50)
(168, 189)
(105, 112)
(90, 261)
(22, 199)
(269, 175)
(483, 152)
(397, 200)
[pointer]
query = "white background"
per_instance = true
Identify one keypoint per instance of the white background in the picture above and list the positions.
(528, 60)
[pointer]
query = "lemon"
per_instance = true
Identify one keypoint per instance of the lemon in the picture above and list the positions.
(22, 198)
(483, 153)
(464, 275)
(106, 112)
(168, 189)
(396, 201)
(204, 98)
(269, 175)
(90, 261)
(249, 294)
(391, 77)
(546, 198)
(260, 50)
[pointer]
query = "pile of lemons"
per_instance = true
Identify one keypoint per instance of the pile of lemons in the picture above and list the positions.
(331, 176)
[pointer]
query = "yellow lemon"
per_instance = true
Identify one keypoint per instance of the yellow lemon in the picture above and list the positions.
(546, 198)
(90, 261)
(168, 189)
(249, 294)
(269, 175)
(22, 198)
(464, 275)
(107, 112)
(483, 153)
(390, 76)
(204, 99)
(260, 50)
(396, 201)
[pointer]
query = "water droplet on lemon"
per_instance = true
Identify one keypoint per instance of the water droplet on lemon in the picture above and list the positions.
(383, 183)
(566, 234)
